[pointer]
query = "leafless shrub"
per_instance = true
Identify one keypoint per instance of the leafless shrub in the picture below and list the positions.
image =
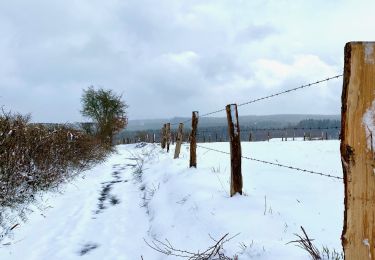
(36, 158)
(306, 244)
(214, 252)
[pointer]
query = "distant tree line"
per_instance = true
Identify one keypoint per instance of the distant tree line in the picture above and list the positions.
(257, 131)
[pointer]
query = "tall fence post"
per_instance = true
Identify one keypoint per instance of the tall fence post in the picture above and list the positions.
(179, 140)
(357, 127)
(163, 136)
(235, 149)
(168, 135)
(193, 139)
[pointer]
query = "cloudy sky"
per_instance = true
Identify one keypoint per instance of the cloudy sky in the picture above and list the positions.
(169, 57)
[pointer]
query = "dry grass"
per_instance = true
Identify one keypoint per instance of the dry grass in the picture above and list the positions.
(306, 244)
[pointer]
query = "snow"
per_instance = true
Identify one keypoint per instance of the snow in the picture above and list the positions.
(369, 125)
(369, 53)
(117, 205)
(367, 243)
(233, 109)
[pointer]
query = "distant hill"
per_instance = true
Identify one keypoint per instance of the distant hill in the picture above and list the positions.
(281, 120)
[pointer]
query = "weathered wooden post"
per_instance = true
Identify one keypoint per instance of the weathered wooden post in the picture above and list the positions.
(326, 135)
(168, 135)
(268, 136)
(193, 139)
(179, 140)
(250, 137)
(235, 149)
(163, 138)
(357, 127)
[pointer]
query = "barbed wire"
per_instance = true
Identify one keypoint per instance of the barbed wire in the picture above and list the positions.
(277, 164)
(269, 96)
(273, 129)
(290, 128)
(290, 90)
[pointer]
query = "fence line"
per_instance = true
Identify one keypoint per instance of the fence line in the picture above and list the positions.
(290, 90)
(275, 129)
(269, 96)
(276, 164)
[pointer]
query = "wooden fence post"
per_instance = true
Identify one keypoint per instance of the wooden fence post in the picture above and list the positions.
(179, 140)
(193, 139)
(357, 127)
(162, 137)
(235, 149)
(168, 135)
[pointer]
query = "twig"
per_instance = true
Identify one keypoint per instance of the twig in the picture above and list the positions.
(213, 252)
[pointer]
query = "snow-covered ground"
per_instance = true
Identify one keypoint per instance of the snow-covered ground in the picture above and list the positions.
(117, 206)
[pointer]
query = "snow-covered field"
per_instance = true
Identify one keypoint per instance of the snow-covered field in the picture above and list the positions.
(110, 212)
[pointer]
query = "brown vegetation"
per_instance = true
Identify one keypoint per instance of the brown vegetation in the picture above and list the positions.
(38, 158)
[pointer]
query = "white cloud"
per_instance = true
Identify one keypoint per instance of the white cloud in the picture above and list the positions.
(171, 57)
(273, 73)
(183, 59)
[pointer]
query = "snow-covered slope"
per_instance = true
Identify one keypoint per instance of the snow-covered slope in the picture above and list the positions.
(117, 206)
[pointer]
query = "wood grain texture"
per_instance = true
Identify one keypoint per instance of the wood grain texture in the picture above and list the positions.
(163, 140)
(193, 139)
(179, 140)
(168, 135)
(235, 149)
(358, 236)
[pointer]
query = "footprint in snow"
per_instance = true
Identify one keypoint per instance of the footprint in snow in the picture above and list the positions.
(87, 248)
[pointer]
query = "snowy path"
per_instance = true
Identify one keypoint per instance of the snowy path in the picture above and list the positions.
(109, 213)
(93, 219)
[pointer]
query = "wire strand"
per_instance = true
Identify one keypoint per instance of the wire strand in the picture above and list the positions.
(273, 129)
(290, 90)
(277, 164)
(269, 96)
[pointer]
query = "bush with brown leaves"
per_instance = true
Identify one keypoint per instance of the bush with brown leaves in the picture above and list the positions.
(37, 158)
